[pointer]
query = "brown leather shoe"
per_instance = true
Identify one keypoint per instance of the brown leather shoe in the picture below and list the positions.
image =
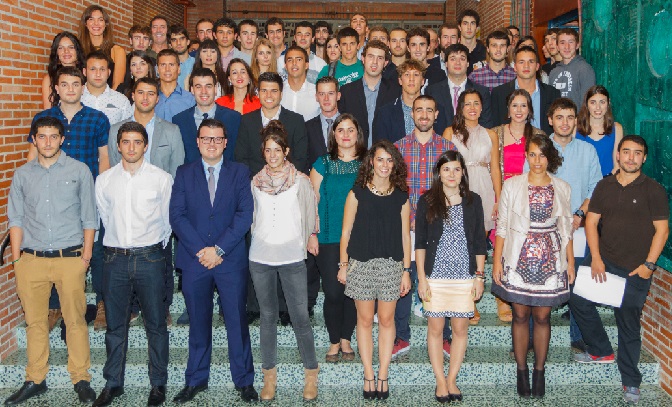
(100, 323)
(476, 318)
(504, 312)
(54, 318)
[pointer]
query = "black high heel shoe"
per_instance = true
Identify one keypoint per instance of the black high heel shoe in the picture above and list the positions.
(538, 383)
(523, 382)
(383, 395)
(441, 399)
(370, 394)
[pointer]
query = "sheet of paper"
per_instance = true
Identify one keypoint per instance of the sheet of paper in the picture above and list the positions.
(609, 292)
(579, 240)
(412, 245)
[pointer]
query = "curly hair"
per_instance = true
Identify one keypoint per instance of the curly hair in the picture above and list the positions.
(547, 148)
(436, 198)
(398, 174)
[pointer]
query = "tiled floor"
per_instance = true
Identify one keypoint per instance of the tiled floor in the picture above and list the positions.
(481, 396)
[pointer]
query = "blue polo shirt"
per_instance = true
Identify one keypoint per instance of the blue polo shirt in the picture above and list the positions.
(174, 103)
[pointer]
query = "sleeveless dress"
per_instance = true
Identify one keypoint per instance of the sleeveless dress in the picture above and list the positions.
(604, 148)
(477, 157)
(539, 279)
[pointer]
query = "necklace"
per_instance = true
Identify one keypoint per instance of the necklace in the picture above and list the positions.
(375, 190)
(516, 141)
(450, 196)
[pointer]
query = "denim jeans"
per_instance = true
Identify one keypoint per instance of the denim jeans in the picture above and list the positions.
(402, 314)
(294, 282)
(628, 321)
(141, 272)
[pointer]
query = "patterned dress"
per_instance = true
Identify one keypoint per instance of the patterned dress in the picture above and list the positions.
(452, 260)
(539, 279)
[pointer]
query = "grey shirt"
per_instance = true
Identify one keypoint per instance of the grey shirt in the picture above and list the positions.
(52, 205)
(371, 96)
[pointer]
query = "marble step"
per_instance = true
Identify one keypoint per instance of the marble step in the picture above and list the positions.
(485, 366)
(489, 332)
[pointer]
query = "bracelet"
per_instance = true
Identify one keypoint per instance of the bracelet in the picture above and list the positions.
(480, 278)
(343, 263)
(407, 270)
(479, 273)
(16, 260)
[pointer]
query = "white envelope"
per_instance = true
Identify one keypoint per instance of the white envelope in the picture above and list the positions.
(609, 292)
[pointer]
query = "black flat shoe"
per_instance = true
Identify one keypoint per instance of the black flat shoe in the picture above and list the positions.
(538, 383)
(441, 399)
(285, 319)
(157, 396)
(248, 393)
(455, 397)
(523, 383)
(188, 393)
(107, 395)
(370, 394)
(85, 392)
(252, 316)
(383, 395)
(28, 390)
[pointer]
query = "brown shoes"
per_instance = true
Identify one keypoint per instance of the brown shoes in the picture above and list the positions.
(476, 318)
(54, 318)
(270, 384)
(504, 312)
(100, 323)
(310, 384)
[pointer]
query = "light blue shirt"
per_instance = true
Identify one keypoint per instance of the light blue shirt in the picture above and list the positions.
(409, 124)
(178, 101)
(536, 106)
(198, 115)
(325, 128)
(150, 136)
(580, 169)
(185, 70)
(371, 96)
(218, 168)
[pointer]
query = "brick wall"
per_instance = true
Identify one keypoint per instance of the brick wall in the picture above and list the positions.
(26, 31)
(495, 14)
(212, 9)
(145, 10)
(657, 325)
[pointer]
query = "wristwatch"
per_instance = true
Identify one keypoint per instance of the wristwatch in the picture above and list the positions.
(219, 251)
(580, 213)
(650, 265)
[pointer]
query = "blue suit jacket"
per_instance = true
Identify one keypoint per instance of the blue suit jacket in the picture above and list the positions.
(198, 224)
(388, 122)
(185, 121)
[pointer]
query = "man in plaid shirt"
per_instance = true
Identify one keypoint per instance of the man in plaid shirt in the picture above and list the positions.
(420, 149)
(496, 72)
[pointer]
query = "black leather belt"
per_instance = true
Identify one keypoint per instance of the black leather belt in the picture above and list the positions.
(134, 250)
(74, 251)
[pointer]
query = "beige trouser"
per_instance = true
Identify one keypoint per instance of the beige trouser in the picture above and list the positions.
(34, 278)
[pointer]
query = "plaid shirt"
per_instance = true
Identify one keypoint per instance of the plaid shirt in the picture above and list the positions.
(88, 130)
(420, 159)
(491, 79)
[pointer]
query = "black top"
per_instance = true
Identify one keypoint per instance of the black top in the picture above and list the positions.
(376, 232)
(477, 57)
(428, 234)
(626, 212)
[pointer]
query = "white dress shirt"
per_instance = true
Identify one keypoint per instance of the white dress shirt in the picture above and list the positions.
(302, 101)
(134, 208)
(115, 105)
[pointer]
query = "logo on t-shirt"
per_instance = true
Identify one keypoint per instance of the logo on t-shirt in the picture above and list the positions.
(563, 83)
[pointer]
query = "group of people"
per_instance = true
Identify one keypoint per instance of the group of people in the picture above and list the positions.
(373, 162)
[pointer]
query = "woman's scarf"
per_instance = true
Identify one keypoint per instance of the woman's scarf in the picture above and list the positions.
(274, 183)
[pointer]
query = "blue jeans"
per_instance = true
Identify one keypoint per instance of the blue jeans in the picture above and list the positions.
(402, 314)
(142, 272)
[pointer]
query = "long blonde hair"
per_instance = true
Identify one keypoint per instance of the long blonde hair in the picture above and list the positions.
(254, 63)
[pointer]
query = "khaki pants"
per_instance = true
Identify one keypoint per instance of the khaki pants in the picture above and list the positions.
(34, 278)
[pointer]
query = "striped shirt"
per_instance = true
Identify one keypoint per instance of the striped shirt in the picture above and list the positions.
(491, 79)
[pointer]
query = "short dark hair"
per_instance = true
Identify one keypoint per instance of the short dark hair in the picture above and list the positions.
(569, 31)
(497, 35)
(561, 103)
(327, 79)
(469, 13)
(346, 32)
(456, 49)
(305, 24)
(148, 81)
(205, 20)
(399, 29)
(70, 71)
(379, 28)
(167, 52)
(296, 48)
(635, 139)
(202, 72)
(157, 17)
(275, 21)
(47, 121)
(425, 97)
(418, 32)
(321, 24)
(513, 27)
(270, 77)
(177, 29)
(552, 31)
(546, 146)
(225, 22)
(213, 124)
(99, 55)
(525, 48)
(132, 127)
(249, 22)
(377, 44)
(357, 13)
(139, 29)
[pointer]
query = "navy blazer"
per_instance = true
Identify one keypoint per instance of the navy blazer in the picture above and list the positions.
(353, 100)
(187, 124)
(198, 224)
(388, 123)
(441, 93)
(316, 144)
(500, 112)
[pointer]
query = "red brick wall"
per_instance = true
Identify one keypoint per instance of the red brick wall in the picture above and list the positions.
(145, 10)
(27, 29)
(495, 14)
(212, 9)
(657, 325)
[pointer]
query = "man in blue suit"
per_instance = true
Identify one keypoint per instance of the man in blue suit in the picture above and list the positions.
(203, 85)
(211, 209)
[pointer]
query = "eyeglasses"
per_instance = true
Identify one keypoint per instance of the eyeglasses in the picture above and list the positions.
(209, 140)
